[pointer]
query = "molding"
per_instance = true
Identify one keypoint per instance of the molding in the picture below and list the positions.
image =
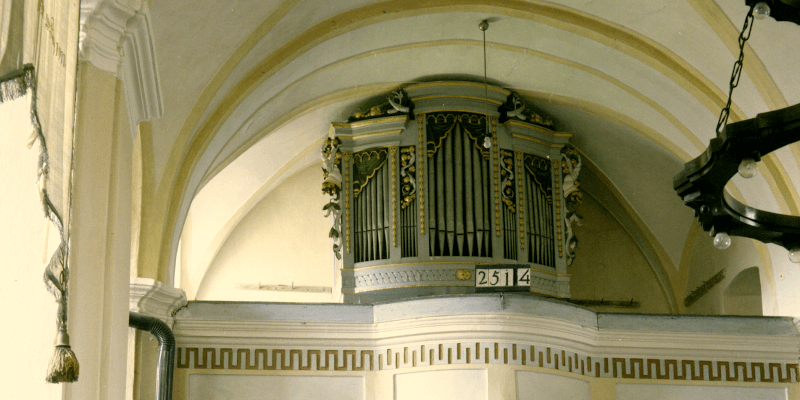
(476, 353)
(118, 39)
(153, 298)
(307, 336)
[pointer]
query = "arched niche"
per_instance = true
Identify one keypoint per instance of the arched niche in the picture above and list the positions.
(743, 295)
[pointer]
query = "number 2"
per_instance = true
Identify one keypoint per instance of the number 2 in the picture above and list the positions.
(482, 275)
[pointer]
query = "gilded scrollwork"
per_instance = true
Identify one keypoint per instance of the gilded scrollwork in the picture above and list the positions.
(515, 108)
(507, 179)
(521, 207)
(571, 167)
(396, 103)
(421, 175)
(408, 188)
(393, 151)
(332, 185)
(346, 168)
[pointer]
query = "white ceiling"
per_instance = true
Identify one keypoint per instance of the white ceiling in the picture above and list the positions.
(250, 88)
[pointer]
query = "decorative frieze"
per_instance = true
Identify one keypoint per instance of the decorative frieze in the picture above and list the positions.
(406, 276)
(476, 353)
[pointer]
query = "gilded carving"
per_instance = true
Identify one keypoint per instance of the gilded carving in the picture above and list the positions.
(514, 108)
(571, 167)
(463, 274)
(507, 179)
(396, 102)
(521, 206)
(408, 186)
(393, 151)
(421, 175)
(346, 168)
(332, 185)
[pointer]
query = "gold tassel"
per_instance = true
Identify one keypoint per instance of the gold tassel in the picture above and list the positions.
(63, 366)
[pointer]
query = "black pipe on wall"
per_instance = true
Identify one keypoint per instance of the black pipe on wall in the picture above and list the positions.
(166, 350)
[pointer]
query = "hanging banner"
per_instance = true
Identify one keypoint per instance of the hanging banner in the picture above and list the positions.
(38, 56)
(54, 36)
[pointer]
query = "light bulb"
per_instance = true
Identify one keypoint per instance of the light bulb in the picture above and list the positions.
(761, 10)
(722, 241)
(487, 141)
(748, 168)
(794, 255)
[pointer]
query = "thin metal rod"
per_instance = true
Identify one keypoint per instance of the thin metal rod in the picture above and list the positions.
(485, 84)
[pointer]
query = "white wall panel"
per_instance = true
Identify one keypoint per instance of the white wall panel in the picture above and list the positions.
(538, 386)
(470, 384)
(627, 391)
(246, 387)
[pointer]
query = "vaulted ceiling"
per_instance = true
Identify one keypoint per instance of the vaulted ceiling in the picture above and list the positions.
(249, 89)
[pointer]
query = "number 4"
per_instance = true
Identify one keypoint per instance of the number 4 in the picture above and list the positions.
(524, 277)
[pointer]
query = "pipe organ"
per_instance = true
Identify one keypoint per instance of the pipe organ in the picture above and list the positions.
(448, 187)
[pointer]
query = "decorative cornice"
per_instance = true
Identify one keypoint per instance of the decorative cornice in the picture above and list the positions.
(117, 38)
(153, 298)
(496, 329)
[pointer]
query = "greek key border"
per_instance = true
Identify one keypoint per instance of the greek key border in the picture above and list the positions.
(482, 353)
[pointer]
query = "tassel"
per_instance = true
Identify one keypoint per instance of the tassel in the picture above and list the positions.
(63, 366)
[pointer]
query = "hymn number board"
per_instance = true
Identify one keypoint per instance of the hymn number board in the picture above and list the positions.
(502, 278)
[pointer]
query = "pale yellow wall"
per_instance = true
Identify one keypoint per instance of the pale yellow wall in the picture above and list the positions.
(283, 240)
(609, 265)
(28, 309)
(743, 294)
(706, 261)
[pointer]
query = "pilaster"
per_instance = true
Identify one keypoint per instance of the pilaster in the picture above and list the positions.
(116, 37)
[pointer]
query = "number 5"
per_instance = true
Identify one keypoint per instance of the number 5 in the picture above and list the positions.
(495, 277)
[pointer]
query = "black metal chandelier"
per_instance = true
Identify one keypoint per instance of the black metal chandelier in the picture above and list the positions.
(737, 148)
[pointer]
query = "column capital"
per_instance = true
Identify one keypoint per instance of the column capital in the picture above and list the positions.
(116, 36)
(153, 298)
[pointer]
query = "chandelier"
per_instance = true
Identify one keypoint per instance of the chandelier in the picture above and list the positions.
(737, 148)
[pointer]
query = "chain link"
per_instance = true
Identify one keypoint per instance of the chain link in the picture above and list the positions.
(737, 69)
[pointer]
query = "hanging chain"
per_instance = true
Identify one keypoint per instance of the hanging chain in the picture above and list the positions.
(737, 69)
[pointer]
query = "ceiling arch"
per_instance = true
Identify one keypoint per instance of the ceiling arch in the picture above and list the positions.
(286, 84)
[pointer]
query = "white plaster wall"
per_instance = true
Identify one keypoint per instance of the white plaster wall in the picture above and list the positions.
(470, 384)
(538, 386)
(28, 309)
(632, 391)
(252, 387)
(282, 241)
